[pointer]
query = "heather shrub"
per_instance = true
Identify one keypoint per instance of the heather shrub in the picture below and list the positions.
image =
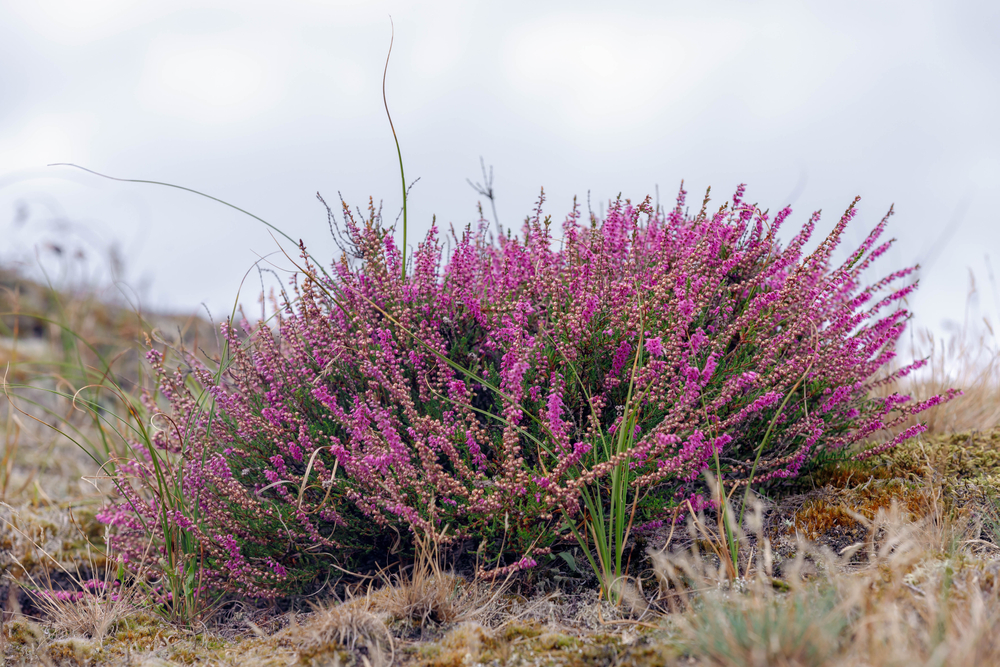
(475, 400)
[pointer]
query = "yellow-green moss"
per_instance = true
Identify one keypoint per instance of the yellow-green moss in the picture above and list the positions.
(822, 515)
(70, 652)
(518, 630)
(954, 459)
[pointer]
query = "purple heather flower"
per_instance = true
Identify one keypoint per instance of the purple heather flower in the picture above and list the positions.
(655, 346)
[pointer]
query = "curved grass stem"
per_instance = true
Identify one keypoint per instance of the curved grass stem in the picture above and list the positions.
(399, 153)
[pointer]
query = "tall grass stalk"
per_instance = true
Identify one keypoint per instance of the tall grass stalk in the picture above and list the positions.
(117, 432)
(399, 153)
(731, 526)
(188, 597)
(182, 596)
(71, 371)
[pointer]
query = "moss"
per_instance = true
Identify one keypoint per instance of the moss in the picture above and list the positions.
(70, 652)
(820, 517)
(848, 474)
(519, 630)
(141, 630)
(832, 514)
(553, 641)
(429, 654)
(329, 657)
(22, 633)
(956, 459)
(957, 462)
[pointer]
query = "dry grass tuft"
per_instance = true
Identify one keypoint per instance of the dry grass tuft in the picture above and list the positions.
(349, 628)
(927, 596)
(424, 598)
(922, 586)
(91, 608)
(92, 616)
(425, 595)
(801, 629)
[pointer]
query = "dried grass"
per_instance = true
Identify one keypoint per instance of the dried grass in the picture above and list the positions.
(350, 627)
(425, 595)
(93, 608)
(969, 359)
(922, 590)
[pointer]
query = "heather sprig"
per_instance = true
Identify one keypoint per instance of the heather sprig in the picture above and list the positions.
(475, 396)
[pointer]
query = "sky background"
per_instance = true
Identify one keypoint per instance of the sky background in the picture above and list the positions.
(265, 104)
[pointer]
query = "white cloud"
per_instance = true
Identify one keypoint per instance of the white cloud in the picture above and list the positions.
(206, 79)
(985, 173)
(44, 139)
(75, 22)
(597, 70)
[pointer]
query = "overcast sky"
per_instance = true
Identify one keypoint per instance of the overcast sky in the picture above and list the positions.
(264, 104)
